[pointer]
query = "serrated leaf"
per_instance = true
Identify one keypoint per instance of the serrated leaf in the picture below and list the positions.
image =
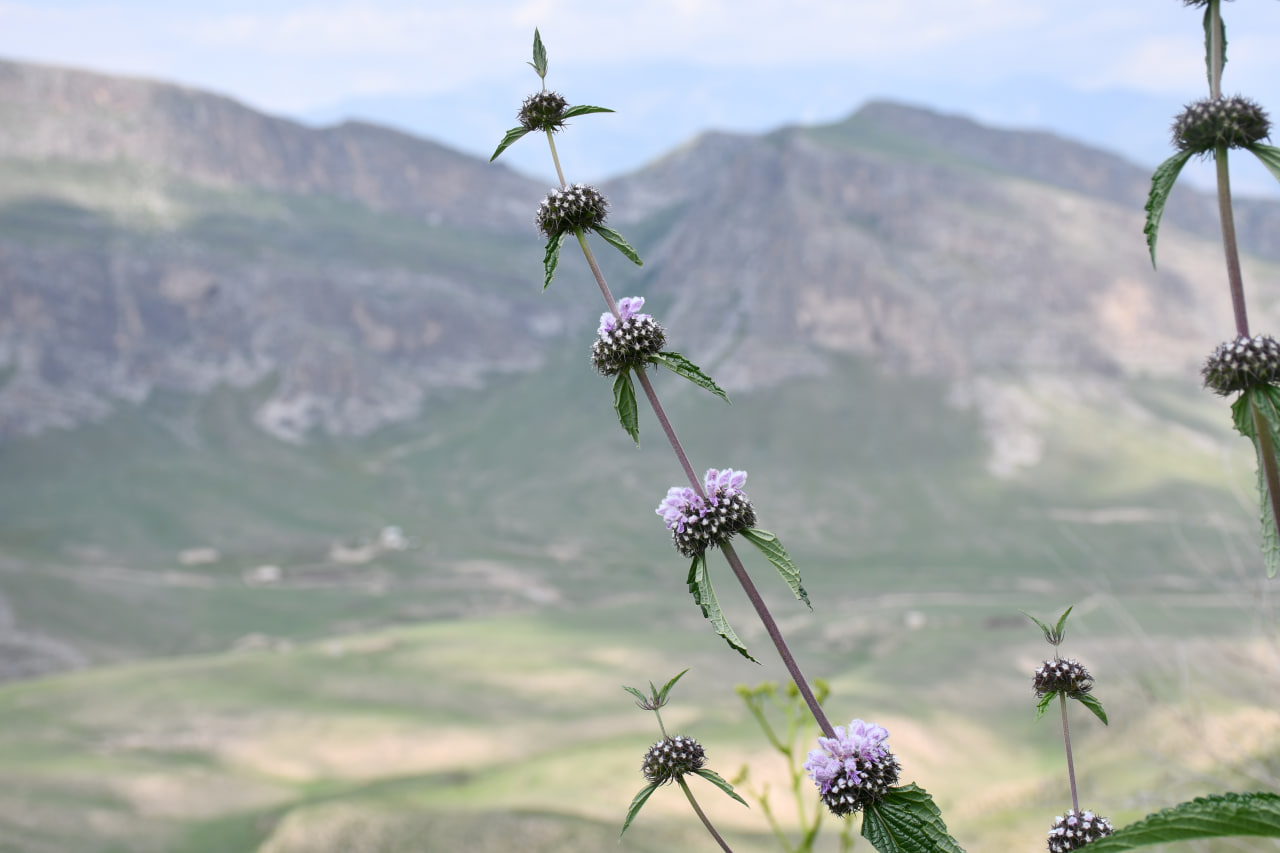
(583, 109)
(624, 403)
(1217, 816)
(1043, 704)
(1266, 402)
(551, 259)
(636, 803)
(681, 366)
(539, 55)
(700, 585)
(1269, 155)
(1208, 42)
(907, 821)
(1162, 181)
(666, 688)
(513, 136)
(1091, 702)
(716, 779)
(777, 555)
(613, 238)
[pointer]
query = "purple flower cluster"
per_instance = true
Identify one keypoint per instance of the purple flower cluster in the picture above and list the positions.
(697, 524)
(853, 769)
(626, 341)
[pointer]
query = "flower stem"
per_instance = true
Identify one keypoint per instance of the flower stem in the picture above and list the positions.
(555, 158)
(1215, 49)
(1071, 765)
(1267, 452)
(706, 821)
(1230, 246)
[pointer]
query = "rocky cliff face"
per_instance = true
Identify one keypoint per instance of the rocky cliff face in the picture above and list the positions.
(154, 237)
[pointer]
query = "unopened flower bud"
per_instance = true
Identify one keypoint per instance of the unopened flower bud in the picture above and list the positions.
(1062, 676)
(567, 208)
(1242, 364)
(1074, 830)
(671, 758)
(1234, 122)
(543, 111)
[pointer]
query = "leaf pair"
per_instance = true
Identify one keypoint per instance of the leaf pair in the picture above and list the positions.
(1086, 699)
(699, 581)
(647, 791)
(551, 258)
(656, 698)
(624, 392)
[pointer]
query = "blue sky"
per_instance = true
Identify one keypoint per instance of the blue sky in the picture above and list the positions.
(1112, 74)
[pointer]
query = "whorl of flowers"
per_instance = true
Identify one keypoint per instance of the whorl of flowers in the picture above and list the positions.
(1234, 122)
(854, 769)
(1243, 363)
(567, 208)
(626, 342)
(671, 758)
(698, 524)
(543, 111)
(1073, 831)
(1062, 676)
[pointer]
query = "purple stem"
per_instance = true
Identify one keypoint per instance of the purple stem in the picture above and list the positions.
(1071, 765)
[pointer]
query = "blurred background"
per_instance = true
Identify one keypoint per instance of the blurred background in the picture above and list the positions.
(318, 532)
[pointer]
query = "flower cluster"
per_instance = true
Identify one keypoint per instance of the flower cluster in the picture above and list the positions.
(568, 208)
(854, 769)
(627, 340)
(671, 758)
(543, 111)
(1234, 122)
(1243, 363)
(697, 524)
(1073, 831)
(1062, 676)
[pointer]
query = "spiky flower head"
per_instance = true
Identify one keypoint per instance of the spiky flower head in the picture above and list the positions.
(1062, 676)
(567, 208)
(697, 524)
(1234, 122)
(671, 758)
(627, 340)
(1242, 364)
(854, 769)
(1074, 830)
(543, 111)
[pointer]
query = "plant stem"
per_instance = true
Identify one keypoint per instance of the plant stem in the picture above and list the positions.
(555, 158)
(1215, 49)
(684, 786)
(1071, 765)
(1230, 246)
(1267, 453)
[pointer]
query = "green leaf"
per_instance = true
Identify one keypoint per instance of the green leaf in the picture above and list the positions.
(1266, 401)
(907, 821)
(624, 403)
(1208, 42)
(539, 55)
(583, 109)
(640, 799)
(636, 693)
(716, 779)
(513, 136)
(1217, 816)
(1091, 702)
(551, 259)
(1043, 704)
(613, 238)
(666, 688)
(1048, 632)
(681, 366)
(700, 585)
(1162, 181)
(776, 554)
(1060, 630)
(1269, 155)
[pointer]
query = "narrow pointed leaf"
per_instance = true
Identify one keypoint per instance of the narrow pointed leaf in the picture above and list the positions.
(1217, 816)
(636, 693)
(719, 781)
(539, 55)
(1048, 633)
(583, 109)
(551, 259)
(681, 366)
(513, 135)
(776, 554)
(1208, 42)
(1269, 155)
(637, 803)
(907, 821)
(624, 403)
(613, 238)
(666, 688)
(1061, 630)
(1162, 181)
(1091, 702)
(700, 585)
(1266, 401)
(1043, 704)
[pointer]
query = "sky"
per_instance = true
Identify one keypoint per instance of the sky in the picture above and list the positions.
(1110, 74)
